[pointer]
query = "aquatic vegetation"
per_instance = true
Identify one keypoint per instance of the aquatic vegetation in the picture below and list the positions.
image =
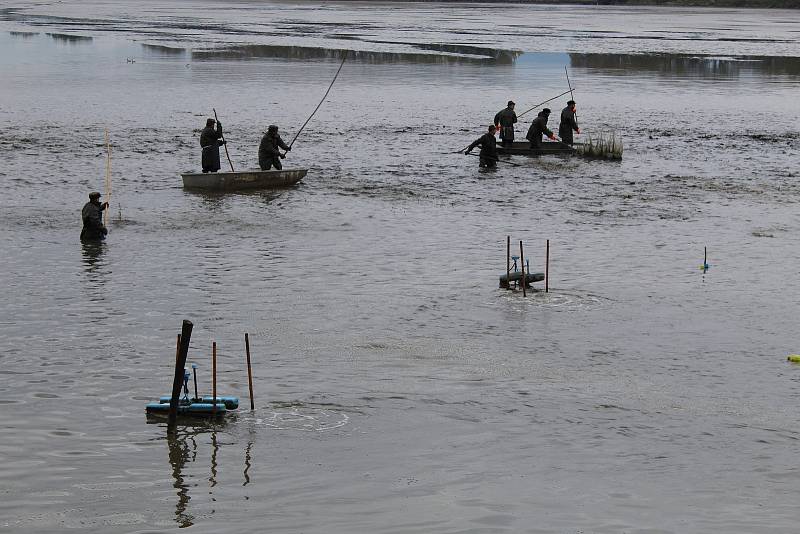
(603, 145)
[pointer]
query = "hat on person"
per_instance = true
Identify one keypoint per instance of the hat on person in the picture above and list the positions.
(272, 128)
(209, 122)
(571, 103)
(511, 103)
(546, 111)
(93, 195)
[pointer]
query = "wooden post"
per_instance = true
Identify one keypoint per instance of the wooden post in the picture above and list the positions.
(508, 262)
(180, 362)
(522, 261)
(249, 371)
(108, 180)
(214, 377)
(547, 268)
(194, 375)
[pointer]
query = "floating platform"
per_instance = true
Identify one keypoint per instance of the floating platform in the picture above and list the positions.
(231, 403)
(517, 277)
(237, 181)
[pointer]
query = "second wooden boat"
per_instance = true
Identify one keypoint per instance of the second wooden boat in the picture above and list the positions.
(234, 181)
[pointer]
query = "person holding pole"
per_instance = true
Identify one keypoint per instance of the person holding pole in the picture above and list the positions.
(568, 123)
(488, 146)
(539, 128)
(269, 154)
(504, 121)
(210, 141)
(93, 228)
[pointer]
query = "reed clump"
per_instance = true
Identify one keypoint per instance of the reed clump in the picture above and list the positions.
(603, 145)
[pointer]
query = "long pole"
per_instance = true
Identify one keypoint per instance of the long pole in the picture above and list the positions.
(542, 103)
(547, 268)
(194, 375)
(323, 98)
(249, 371)
(508, 261)
(571, 96)
(522, 261)
(108, 179)
(497, 160)
(223, 142)
(214, 376)
(177, 381)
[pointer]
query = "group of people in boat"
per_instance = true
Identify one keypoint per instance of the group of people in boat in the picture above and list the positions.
(211, 138)
(269, 155)
(504, 122)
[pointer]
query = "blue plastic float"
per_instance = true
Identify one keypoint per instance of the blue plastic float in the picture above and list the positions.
(195, 406)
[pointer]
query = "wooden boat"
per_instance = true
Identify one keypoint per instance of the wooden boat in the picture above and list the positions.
(233, 181)
(523, 148)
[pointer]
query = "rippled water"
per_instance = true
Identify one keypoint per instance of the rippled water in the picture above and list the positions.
(397, 389)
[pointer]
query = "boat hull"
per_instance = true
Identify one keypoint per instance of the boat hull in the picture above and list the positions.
(523, 148)
(236, 181)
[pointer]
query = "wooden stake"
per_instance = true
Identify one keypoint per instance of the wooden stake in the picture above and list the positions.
(177, 381)
(108, 180)
(249, 371)
(522, 261)
(214, 376)
(508, 262)
(547, 268)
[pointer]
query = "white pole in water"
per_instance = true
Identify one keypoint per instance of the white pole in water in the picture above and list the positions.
(108, 179)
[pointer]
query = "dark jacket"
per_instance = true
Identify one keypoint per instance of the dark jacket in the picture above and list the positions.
(209, 140)
(209, 135)
(488, 146)
(93, 228)
(505, 119)
(568, 125)
(269, 146)
(538, 127)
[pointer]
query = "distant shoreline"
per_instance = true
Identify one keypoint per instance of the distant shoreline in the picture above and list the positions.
(752, 4)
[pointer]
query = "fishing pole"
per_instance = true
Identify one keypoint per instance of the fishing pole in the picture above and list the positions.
(571, 96)
(223, 140)
(323, 98)
(545, 102)
(494, 159)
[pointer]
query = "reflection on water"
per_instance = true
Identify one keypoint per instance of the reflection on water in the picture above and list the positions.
(92, 255)
(439, 53)
(183, 448)
(69, 38)
(161, 50)
(687, 66)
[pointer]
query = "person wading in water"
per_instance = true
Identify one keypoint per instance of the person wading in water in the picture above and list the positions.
(539, 128)
(488, 146)
(504, 121)
(210, 143)
(268, 153)
(92, 215)
(568, 123)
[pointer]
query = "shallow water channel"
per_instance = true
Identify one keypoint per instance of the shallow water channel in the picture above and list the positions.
(397, 389)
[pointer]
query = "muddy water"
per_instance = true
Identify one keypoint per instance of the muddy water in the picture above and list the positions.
(397, 388)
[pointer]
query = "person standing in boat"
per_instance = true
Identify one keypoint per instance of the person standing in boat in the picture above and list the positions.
(210, 141)
(539, 128)
(92, 215)
(504, 121)
(269, 154)
(488, 146)
(568, 123)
